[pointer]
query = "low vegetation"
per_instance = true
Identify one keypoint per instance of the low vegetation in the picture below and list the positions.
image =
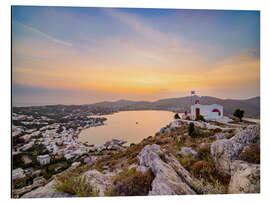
(75, 184)
(251, 154)
(203, 187)
(200, 118)
(131, 183)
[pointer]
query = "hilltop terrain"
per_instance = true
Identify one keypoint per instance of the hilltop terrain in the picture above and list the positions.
(211, 158)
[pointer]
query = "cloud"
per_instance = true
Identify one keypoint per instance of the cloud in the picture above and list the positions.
(48, 37)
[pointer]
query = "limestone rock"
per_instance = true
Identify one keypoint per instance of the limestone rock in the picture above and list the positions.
(102, 182)
(227, 150)
(17, 173)
(46, 191)
(170, 179)
(245, 177)
(220, 136)
(185, 151)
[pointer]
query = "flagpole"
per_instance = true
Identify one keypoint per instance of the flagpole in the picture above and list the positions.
(190, 100)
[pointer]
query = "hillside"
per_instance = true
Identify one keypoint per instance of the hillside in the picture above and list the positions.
(250, 106)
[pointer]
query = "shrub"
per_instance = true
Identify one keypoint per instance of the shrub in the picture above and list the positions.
(161, 156)
(21, 182)
(187, 161)
(239, 114)
(203, 187)
(200, 118)
(204, 153)
(217, 130)
(203, 169)
(195, 133)
(176, 116)
(74, 184)
(183, 138)
(191, 128)
(251, 153)
(132, 183)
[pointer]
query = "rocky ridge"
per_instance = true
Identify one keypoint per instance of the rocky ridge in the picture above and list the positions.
(170, 176)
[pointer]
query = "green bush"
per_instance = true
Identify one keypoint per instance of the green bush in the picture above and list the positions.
(200, 118)
(239, 114)
(191, 128)
(161, 156)
(195, 133)
(176, 116)
(187, 161)
(75, 184)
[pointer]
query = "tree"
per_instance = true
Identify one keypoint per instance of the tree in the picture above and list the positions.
(239, 114)
(176, 116)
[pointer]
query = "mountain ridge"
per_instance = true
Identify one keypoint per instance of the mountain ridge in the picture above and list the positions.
(251, 106)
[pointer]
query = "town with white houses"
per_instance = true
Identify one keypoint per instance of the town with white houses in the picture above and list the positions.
(43, 147)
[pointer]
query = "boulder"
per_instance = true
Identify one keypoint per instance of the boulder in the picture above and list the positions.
(101, 182)
(225, 151)
(220, 136)
(186, 151)
(245, 178)
(75, 165)
(204, 144)
(18, 173)
(170, 179)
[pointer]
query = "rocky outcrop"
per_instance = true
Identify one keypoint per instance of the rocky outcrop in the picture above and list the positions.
(245, 178)
(46, 192)
(225, 151)
(186, 151)
(101, 182)
(37, 182)
(170, 177)
(220, 136)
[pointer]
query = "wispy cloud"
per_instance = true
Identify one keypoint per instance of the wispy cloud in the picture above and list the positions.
(48, 37)
(138, 25)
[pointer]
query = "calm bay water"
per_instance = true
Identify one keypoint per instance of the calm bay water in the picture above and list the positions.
(130, 126)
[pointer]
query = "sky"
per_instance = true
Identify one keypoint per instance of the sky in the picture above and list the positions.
(81, 55)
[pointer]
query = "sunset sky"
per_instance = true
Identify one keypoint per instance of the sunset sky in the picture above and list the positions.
(69, 55)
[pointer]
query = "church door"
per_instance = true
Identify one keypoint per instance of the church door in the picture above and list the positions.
(197, 112)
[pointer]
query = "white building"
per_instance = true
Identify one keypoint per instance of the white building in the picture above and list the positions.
(209, 112)
(44, 159)
(17, 173)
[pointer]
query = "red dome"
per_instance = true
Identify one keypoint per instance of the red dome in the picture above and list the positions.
(216, 110)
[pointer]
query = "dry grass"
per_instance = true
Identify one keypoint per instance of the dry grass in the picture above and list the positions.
(131, 183)
(251, 154)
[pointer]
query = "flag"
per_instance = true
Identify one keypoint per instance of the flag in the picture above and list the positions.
(192, 91)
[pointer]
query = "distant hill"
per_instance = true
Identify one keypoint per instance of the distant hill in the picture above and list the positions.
(250, 106)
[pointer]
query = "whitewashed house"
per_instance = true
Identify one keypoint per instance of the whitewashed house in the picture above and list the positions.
(209, 112)
(44, 159)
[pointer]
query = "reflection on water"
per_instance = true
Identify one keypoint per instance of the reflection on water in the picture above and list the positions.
(131, 126)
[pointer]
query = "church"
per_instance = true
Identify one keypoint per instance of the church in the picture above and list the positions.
(209, 112)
